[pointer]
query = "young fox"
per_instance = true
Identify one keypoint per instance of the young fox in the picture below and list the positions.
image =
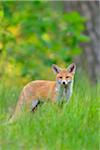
(41, 90)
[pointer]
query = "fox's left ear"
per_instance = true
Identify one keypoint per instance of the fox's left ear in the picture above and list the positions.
(56, 69)
(71, 68)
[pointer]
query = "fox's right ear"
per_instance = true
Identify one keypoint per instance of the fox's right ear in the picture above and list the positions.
(71, 68)
(56, 69)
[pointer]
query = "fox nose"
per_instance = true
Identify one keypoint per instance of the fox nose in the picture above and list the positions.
(64, 82)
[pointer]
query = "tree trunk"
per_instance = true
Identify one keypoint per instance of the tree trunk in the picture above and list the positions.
(90, 58)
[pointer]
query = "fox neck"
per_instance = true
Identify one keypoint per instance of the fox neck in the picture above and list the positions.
(64, 92)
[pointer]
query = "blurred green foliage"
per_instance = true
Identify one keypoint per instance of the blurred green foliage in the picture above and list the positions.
(34, 35)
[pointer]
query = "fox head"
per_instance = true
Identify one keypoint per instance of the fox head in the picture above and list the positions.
(64, 76)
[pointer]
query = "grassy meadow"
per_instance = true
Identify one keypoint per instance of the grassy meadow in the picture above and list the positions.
(33, 36)
(52, 127)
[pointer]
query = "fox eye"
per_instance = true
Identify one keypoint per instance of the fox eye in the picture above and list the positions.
(67, 77)
(60, 77)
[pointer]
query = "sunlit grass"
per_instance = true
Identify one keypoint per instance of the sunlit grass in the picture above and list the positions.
(68, 127)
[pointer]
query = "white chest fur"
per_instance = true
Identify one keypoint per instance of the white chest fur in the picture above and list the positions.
(64, 93)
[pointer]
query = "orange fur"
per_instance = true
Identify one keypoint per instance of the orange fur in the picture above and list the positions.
(42, 90)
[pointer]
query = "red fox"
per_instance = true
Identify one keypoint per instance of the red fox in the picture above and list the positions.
(42, 90)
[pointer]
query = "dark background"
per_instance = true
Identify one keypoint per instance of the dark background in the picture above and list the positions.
(34, 35)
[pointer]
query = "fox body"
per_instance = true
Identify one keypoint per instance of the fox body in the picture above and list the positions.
(42, 90)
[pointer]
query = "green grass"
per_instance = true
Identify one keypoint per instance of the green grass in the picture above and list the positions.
(52, 127)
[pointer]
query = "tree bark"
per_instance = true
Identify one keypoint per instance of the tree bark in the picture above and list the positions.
(90, 57)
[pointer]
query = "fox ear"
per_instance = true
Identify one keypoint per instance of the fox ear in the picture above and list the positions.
(71, 68)
(56, 69)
